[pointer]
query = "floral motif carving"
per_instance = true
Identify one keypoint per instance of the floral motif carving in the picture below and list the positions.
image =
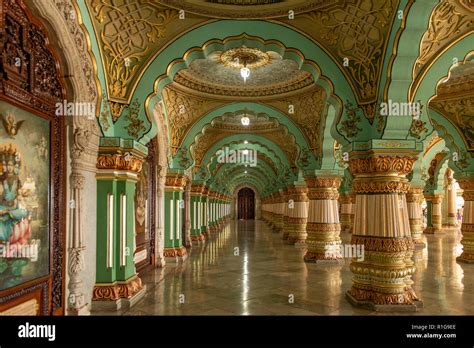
(119, 162)
(382, 164)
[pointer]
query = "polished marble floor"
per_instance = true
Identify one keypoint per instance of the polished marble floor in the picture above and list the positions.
(248, 270)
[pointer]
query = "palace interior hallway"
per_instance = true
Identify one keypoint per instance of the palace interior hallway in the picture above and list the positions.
(260, 280)
(143, 144)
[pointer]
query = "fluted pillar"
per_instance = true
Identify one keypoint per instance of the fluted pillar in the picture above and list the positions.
(286, 211)
(298, 215)
(323, 227)
(467, 226)
(415, 215)
(434, 213)
(382, 280)
(347, 212)
(279, 210)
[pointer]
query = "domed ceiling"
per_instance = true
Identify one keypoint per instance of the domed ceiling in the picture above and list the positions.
(219, 74)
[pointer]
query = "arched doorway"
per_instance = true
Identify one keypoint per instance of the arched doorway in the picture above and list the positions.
(246, 204)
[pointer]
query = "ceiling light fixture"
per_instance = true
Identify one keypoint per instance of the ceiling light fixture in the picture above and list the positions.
(245, 73)
(245, 120)
(245, 172)
(246, 142)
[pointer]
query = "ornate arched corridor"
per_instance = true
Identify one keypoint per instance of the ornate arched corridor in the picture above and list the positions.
(237, 157)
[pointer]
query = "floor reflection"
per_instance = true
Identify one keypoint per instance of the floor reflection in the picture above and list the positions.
(248, 270)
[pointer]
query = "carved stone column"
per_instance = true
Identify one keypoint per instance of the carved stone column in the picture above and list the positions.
(434, 213)
(298, 215)
(414, 199)
(467, 227)
(382, 280)
(323, 225)
(85, 141)
(77, 301)
(347, 212)
(160, 216)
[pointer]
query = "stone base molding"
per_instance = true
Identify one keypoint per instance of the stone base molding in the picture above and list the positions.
(175, 254)
(382, 280)
(323, 227)
(118, 295)
(467, 227)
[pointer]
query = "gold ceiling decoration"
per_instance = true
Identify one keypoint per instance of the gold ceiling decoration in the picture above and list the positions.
(260, 9)
(130, 33)
(309, 111)
(450, 21)
(183, 111)
(253, 58)
(190, 84)
(357, 32)
(455, 100)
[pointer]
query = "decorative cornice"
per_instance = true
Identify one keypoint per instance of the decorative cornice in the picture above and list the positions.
(119, 161)
(376, 164)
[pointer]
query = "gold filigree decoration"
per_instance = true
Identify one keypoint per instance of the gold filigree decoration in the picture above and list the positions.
(356, 32)
(450, 21)
(135, 126)
(309, 112)
(127, 31)
(460, 112)
(183, 110)
(252, 58)
(417, 128)
(349, 125)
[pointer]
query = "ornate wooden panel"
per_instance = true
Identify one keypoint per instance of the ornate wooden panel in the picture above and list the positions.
(30, 82)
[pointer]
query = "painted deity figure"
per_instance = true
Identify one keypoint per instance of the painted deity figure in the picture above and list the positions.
(14, 222)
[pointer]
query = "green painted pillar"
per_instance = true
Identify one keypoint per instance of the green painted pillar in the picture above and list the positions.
(117, 283)
(204, 213)
(196, 215)
(174, 249)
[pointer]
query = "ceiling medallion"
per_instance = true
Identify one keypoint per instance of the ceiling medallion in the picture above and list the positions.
(244, 58)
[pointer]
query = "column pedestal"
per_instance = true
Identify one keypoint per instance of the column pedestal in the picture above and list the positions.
(382, 280)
